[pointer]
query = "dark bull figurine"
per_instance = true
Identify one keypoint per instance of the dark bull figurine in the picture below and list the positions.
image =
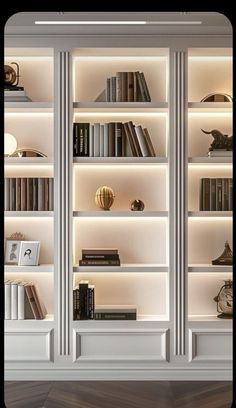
(220, 141)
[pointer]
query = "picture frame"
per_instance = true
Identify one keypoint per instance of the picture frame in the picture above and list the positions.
(12, 251)
(29, 253)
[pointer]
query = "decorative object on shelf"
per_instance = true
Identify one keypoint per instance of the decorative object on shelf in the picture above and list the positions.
(13, 92)
(226, 258)
(217, 97)
(224, 300)
(29, 253)
(104, 197)
(10, 144)
(137, 205)
(12, 248)
(221, 141)
(27, 152)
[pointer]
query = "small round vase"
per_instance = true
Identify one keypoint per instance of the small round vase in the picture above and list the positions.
(137, 205)
(104, 197)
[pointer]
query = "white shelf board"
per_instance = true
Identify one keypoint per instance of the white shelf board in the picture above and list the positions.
(132, 214)
(122, 268)
(212, 214)
(27, 161)
(201, 107)
(202, 268)
(120, 160)
(33, 269)
(28, 213)
(210, 160)
(207, 318)
(140, 318)
(29, 107)
(32, 323)
(121, 106)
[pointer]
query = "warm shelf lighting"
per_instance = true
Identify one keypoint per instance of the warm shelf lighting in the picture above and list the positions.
(210, 58)
(214, 114)
(113, 22)
(121, 114)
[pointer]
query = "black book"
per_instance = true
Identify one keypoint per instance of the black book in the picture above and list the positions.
(111, 139)
(90, 303)
(99, 262)
(75, 144)
(83, 300)
(76, 304)
(81, 139)
(100, 256)
(118, 139)
(86, 139)
(115, 313)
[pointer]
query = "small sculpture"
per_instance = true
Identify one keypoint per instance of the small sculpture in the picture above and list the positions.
(104, 197)
(224, 300)
(217, 97)
(27, 152)
(11, 77)
(220, 141)
(137, 205)
(226, 258)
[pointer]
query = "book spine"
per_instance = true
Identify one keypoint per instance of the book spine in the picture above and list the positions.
(32, 302)
(114, 316)
(12, 194)
(23, 198)
(104, 251)
(7, 298)
(46, 193)
(14, 301)
(135, 87)
(149, 143)
(207, 195)
(41, 194)
(225, 204)
(108, 89)
(38, 305)
(201, 195)
(81, 139)
(213, 194)
(106, 138)
(145, 88)
(129, 139)
(74, 305)
(140, 88)
(118, 139)
(74, 140)
(123, 141)
(101, 262)
(124, 86)
(135, 139)
(142, 141)
(118, 87)
(18, 194)
(111, 139)
(96, 256)
(29, 194)
(83, 301)
(86, 140)
(96, 139)
(113, 89)
(91, 140)
(7, 194)
(21, 302)
(230, 194)
(90, 302)
(101, 141)
(130, 91)
(218, 194)
(51, 194)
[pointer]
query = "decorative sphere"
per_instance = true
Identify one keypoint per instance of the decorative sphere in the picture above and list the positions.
(137, 205)
(104, 197)
(10, 144)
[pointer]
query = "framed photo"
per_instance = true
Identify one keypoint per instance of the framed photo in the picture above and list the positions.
(29, 253)
(12, 250)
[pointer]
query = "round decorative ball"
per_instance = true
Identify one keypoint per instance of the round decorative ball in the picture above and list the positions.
(137, 205)
(104, 197)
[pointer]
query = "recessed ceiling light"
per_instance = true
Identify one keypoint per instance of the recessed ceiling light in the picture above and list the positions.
(41, 22)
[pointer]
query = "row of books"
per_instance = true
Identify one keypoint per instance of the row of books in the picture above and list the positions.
(216, 194)
(127, 87)
(111, 140)
(100, 257)
(22, 301)
(29, 193)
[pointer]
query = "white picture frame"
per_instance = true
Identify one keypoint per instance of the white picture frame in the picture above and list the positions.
(12, 251)
(29, 253)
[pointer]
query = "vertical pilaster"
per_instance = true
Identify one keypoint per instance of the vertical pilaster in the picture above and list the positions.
(63, 205)
(178, 195)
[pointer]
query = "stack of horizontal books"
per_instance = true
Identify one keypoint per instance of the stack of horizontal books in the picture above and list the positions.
(220, 153)
(21, 301)
(15, 94)
(100, 257)
(83, 301)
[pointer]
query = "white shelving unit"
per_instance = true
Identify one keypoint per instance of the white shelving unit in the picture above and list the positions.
(165, 250)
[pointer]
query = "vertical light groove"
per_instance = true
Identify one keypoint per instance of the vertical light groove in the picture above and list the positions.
(64, 200)
(179, 102)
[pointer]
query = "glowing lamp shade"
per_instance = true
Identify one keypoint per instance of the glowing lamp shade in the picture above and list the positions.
(10, 144)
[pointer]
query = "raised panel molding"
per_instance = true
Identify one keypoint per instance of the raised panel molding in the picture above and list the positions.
(116, 339)
(24, 346)
(206, 345)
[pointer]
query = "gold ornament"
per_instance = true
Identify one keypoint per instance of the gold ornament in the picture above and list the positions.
(104, 197)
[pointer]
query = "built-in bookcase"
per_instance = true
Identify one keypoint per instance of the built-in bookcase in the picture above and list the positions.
(209, 71)
(32, 125)
(143, 273)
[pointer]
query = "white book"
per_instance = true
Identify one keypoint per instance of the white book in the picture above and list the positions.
(106, 138)
(14, 300)
(14, 93)
(7, 312)
(96, 139)
(142, 141)
(220, 153)
(21, 301)
(101, 140)
(91, 140)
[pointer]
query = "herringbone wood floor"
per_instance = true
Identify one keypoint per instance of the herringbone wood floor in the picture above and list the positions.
(119, 394)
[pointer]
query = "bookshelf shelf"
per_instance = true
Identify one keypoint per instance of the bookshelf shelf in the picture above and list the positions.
(36, 214)
(209, 160)
(28, 161)
(205, 268)
(210, 107)
(121, 160)
(121, 106)
(117, 214)
(31, 323)
(133, 268)
(44, 268)
(208, 318)
(25, 107)
(210, 214)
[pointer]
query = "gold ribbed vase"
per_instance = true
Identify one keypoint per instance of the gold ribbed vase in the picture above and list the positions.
(104, 197)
